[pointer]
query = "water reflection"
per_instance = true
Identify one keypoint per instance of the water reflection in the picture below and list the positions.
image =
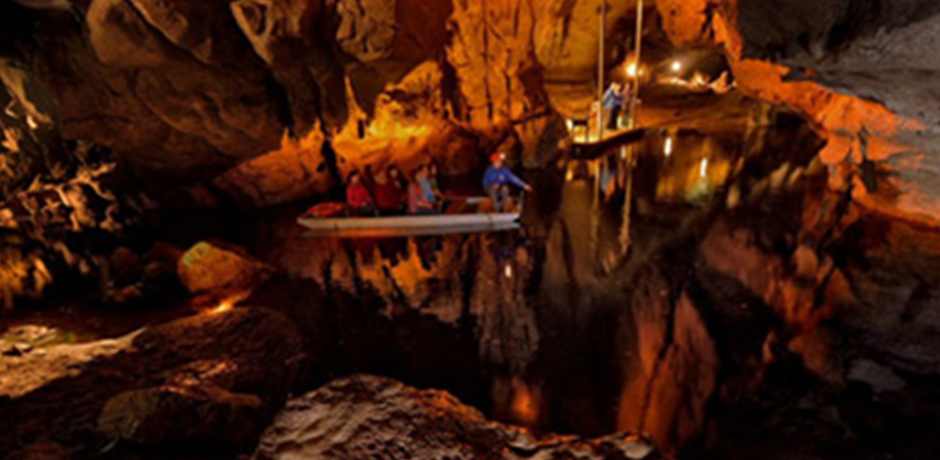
(577, 322)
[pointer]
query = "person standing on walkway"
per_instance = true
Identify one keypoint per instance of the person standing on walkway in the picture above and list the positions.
(613, 104)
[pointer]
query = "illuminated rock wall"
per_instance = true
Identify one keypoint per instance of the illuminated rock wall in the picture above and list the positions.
(189, 90)
(863, 72)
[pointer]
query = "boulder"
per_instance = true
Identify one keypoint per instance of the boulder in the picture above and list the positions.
(207, 381)
(180, 414)
(364, 417)
(214, 267)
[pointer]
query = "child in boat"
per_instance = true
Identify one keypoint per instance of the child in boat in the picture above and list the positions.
(496, 182)
(358, 197)
(389, 191)
(421, 198)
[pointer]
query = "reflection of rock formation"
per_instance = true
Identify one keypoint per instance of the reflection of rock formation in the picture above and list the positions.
(666, 392)
(364, 417)
(505, 322)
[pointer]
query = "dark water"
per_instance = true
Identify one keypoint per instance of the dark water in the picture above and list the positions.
(588, 319)
(538, 326)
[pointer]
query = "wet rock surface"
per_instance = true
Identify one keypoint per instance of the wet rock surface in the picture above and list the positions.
(709, 326)
(785, 325)
(209, 383)
(360, 417)
(830, 60)
(842, 355)
(220, 268)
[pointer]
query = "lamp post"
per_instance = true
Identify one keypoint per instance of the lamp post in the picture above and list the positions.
(634, 108)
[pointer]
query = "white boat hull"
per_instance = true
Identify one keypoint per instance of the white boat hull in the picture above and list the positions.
(444, 223)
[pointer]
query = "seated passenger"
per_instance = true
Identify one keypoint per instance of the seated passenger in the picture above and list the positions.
(389, 191)
(420, 196)
(358, 197)
(435, 184)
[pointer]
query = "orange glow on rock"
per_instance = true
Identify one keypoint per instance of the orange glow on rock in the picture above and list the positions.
(224, 306)
(525, 403)
(291, 172)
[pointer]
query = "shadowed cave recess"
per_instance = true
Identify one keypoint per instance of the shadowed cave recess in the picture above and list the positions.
(744, 263)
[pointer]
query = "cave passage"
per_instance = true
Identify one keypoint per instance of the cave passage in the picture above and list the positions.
(723, 241)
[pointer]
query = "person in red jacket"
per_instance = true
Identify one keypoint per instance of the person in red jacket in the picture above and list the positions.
(389, 191)
(358, 197)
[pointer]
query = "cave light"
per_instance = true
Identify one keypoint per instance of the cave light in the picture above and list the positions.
(632, 69)
(676, 66)
(667, 148)
(703, 170)
(224, 306)
(508, 271)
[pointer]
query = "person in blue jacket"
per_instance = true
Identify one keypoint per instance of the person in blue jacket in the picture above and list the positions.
(613, 103)
(496, 181)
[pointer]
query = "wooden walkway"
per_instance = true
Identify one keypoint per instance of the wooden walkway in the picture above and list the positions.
(593, 149)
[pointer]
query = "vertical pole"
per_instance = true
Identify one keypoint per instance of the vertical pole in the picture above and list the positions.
(634, 107)
(600, 70)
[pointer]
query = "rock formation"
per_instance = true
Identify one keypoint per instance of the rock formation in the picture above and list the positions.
(229, 370)
(361, 417)
(208, 268)
(832, 65)
(182, 90)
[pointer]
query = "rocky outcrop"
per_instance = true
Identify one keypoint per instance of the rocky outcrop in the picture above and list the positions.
(214, 268)
(172, 86)
(829, 335)
(293, 39)
(360, 417)
(30, 142)
(187, 90)
(192, 89)
(295, 171)
(857, 69)
(229, 370)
